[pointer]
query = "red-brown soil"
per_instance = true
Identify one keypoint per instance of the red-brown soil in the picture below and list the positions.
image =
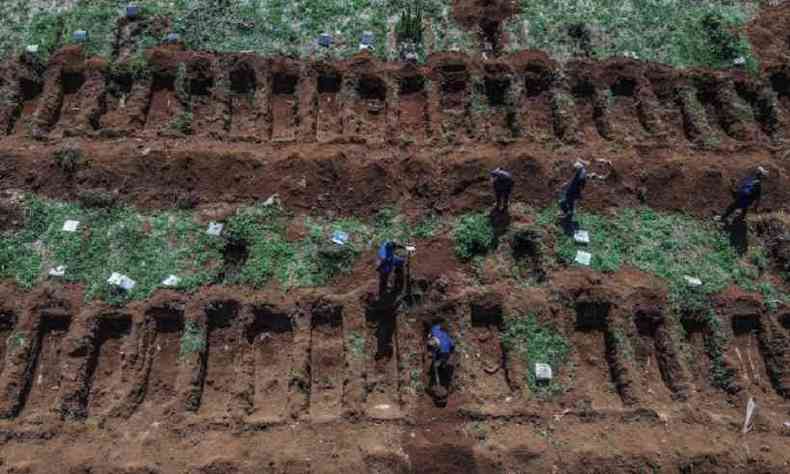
(333, 380)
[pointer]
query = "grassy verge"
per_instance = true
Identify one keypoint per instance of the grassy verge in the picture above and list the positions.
(536, 343)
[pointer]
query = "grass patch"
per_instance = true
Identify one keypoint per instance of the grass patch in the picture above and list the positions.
(356, 344)
(536, 343)
(473, 236)
(675, 32)
(669, 246)
(193, 340)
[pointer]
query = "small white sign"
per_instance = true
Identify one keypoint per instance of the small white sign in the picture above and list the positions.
(583, 258)
(582, 237)
(58, 271)
(340, 238)
(32, 48)
(739, 61)
(121, 281)
(70, 226)
(692, 281)
(215, 228)
(172, 280)
(543, 372)
(411, 249)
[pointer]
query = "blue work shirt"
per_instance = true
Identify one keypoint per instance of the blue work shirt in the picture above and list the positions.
(750, 187)
(388, 261)
(446, 345)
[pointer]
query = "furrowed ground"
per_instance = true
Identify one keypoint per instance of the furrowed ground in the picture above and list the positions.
(265, 347)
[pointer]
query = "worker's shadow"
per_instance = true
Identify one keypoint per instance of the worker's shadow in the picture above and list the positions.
(500, 222)
(738, 231)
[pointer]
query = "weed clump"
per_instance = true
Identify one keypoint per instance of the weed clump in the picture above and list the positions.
(473, 236)
(68, 159)
(193, 340)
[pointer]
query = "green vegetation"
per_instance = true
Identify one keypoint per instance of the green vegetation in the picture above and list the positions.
(670, 246)
(68, 159)
(675, 32)
(16, 339)
(715, 345)
(193, 340)
(356, 343)
(536, 343)
(473, 236)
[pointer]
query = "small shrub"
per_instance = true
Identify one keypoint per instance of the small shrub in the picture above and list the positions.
(68, 159)
(182, 123)
(473, 236)
(193, 340)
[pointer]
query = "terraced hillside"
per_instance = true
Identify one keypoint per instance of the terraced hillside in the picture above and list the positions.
(272, 350)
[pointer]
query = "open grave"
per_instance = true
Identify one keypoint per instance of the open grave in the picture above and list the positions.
(590, 113)
(46, 376)
(164, 358)
(327, 363)
(222, 339)
(657, 367)
(485, 371)
(244, 113)
(454, 94)
(329, 109)
(285, 106)
(382, 354)
(413, 108)
(590, 355)
(200, 88)
(105, 367)
(780, 83)
(746, 353)
(707, 95)
(367, 115)
(164, 107)
(7, 324)
(627, 120)
(501, 115)
(68, 115)
(535, 109)
(119, 91)
(30, 96)
(764, 108)
(270, 338)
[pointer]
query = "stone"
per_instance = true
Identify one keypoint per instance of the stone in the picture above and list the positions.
(692, 281)
(325, 40)
(80, 36)
(214, 228)
(581, 237)
(58, 272)
(121, 281)
(172, 280)
(583, 258)
(340, 238)
(132, 11)
(71, 226)
(172, 38)
(543, 372)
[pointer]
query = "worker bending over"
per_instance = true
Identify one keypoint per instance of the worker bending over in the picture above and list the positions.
(573, 190)
(387, 262)
(749, 192)
(502, 181)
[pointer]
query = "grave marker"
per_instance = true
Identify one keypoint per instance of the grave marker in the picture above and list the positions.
(58, 272)
(32, 48)
(80, 36)
(582, 237)
(692, 281)
(172, 280)
(132, 11)
(543, 372)
(121, 281)
(325, 40)
(340, 237)
(583, 258)
(70, 226)
(215, 229)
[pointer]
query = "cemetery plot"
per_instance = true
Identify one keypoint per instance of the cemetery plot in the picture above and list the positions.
(594, 379)
(535, 115)
(30, 97)
(46, 377)
(653, 358)
(112, 333)
(413, 113)
(366, 117)
(381, 352)
(327, 363)
(745, 351)
(285, 107)
(270, 345)
(245, 116)
(7, 323)
(485, 370)
(164, 362)
(329, 110)
(165, 110)
(222, 345)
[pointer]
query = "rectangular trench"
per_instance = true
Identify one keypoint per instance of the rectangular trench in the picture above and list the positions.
(105, 377)
(413, 109)
(367, 114)
(594, 379)
(46, 376)
(656, 366)
(161, 387)
(746, 351)
(270, 338)
(327, 364)
(486, 368)
(7, 324)
(222, 341)
(329, 109)
(381, 353)
(285, 107)
(163, 106)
